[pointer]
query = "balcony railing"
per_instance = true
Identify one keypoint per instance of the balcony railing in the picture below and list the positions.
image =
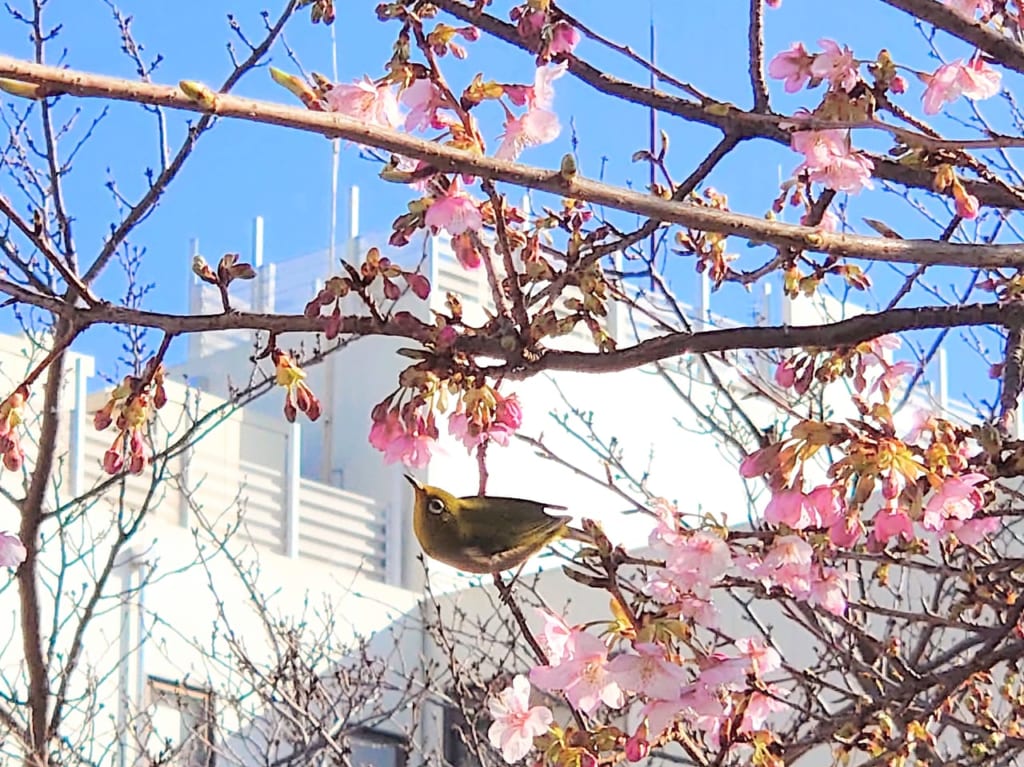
(243, 477)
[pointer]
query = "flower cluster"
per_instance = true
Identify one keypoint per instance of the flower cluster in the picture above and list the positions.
(10, 418)
(829, 159)
(925, 480)
(298, 397)
(483, 414)
(404, 433)
(719, 693)
(408, 432)
(975, 80)
(129, 408)
(551, 39)
(516, 723)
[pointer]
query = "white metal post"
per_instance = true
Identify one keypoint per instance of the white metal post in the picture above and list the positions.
(292, 485)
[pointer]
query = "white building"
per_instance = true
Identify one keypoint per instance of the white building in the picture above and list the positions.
(320, 536)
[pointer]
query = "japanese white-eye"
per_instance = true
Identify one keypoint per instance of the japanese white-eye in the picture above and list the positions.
(483, 533)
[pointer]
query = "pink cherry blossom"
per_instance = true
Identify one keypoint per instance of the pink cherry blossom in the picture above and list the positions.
(785, 373)
(538, 125)
(516, 723)
(660, 715)
(829, 221)
(509, 412)
(704, 556)
(836, 65)
(788, 564)
(764, 659)
(792, 507)
(967, 205)
(957, 500)
(455, 212)
(706, 710)
(583, 676)
(975, 80)
(974, 531)
(564, 38)
(720, 670)
(554, 637)
(701, 611)
(793, 66)
(637, 746)
(535, 127)
(543, 89)
(761, 706)
(829, 159)
(970, 8)
(891, 521)
(366, 101)
(845, 531)
(12, 550)
(531, 22)
(829, 591)
(411, 444)
(423, 98)
(648, 672)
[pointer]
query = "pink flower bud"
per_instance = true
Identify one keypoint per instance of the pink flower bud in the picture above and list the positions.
(418, 284)
(112, 461)
(104, 417)
(637, 746)
(509, 412)
(14, 457)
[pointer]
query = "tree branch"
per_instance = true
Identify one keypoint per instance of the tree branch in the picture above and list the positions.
(449, 159)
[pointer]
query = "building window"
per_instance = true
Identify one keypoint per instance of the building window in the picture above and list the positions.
(181, 724)
(456, 753)
(373, 748)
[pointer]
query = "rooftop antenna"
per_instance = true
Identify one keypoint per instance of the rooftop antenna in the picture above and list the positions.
(653, 132)
(327, 457)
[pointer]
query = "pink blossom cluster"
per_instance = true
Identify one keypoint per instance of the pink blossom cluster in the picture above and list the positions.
(694, 561)
(557, 39)
(789, 563)
(515, 723)
(409, 433)
(950, 509)
(538, 124)
(975, 80)
(797, 68)
(455, 212)
(720, 691)
(403, 434)
(497, 425)
(830, 159)
(579, 666)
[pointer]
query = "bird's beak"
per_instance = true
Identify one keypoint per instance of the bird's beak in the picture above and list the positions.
(414, 482)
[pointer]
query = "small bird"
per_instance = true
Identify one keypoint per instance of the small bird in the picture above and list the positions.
(483, 533)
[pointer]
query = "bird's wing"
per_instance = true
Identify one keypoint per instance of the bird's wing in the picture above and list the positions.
(515, 519)
(526, 506)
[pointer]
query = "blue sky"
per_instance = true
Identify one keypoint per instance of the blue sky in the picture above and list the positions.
(242, 170)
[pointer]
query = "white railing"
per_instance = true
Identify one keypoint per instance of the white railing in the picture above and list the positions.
(243, 478)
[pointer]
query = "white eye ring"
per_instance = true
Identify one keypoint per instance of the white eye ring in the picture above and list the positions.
(435, 506)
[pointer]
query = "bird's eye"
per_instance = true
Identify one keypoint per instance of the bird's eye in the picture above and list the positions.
(436, 506)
